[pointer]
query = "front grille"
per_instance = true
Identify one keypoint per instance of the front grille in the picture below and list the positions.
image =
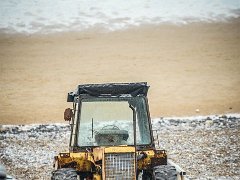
(119, 166)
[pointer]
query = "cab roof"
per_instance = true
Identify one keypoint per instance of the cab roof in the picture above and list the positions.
(110, 89)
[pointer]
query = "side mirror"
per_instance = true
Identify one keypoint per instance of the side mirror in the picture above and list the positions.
(68, 114)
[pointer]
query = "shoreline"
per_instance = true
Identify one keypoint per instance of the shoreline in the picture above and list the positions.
(234, 21)
(189, 67)
(102, 29)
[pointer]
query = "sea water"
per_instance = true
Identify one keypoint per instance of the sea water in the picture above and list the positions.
(46, 16)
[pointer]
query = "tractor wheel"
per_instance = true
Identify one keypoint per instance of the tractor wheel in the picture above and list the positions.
(64, 173)
(165, 172)
(147, 177)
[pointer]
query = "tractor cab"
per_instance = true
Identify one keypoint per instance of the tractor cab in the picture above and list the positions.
(110, 117)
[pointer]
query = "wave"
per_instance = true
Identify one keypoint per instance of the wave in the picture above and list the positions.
(20, 16)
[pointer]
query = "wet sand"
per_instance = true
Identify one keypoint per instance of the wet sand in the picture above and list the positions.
(189, 67)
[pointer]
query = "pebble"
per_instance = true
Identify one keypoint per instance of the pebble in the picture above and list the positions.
(208, 123)
(206, 147)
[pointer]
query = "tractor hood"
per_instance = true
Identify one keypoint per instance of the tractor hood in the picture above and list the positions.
(110, 89)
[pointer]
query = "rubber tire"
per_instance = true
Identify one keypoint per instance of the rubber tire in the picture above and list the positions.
(147, 177)
(64, 174)
(165, 172)
(3, 173)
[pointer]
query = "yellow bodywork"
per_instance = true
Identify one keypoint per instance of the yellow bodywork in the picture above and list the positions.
(82, 161)
(85, 161)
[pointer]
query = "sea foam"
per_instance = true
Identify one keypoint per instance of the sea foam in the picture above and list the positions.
(44, 16)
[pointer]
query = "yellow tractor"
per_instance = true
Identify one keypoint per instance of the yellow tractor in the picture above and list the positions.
(111, 136)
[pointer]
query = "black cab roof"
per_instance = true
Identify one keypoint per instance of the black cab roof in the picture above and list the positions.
(110, 89)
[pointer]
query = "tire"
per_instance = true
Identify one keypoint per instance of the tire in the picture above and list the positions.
(3, 173)
(64, 174)
(147, 177)
(165, 172)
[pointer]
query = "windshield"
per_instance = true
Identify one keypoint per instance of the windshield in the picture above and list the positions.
(109, 121)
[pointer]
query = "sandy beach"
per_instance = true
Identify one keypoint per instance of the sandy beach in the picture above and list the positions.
(189, 67)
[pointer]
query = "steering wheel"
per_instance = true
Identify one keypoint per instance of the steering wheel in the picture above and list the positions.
(110, 127)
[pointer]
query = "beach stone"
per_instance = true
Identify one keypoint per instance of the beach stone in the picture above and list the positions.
(208, 118)
(4, 129)
(208, 123)
(232, 118)
(32, 135)
(224, 116)
(2, 137)
(15, 130)
(174, 122)
(193, 124)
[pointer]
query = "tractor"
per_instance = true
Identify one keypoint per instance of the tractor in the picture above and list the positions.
(111, 136)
